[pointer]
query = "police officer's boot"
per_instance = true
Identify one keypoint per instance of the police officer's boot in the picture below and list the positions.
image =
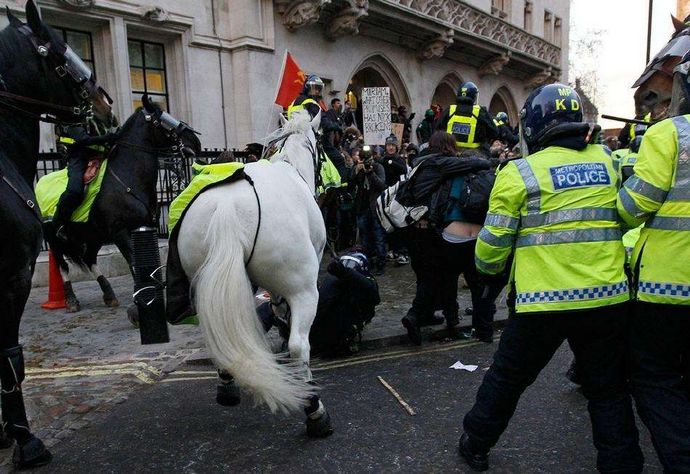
(227, 392)
(476, 458)
(5, 442)
(29, 451)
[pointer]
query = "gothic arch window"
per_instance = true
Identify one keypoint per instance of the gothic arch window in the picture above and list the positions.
(503, 101)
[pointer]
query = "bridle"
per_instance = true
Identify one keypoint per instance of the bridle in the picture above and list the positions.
(315, 151)
(69, 66)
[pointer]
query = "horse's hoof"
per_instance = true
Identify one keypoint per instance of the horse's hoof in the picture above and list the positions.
(30, 455)
(320, 427)
(228, 395)
(111, 302)
(73, 306)
(133, 315)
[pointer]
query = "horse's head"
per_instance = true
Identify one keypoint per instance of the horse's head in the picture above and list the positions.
(168, 131)
(299, 145)
(654, 85)
(39, 65)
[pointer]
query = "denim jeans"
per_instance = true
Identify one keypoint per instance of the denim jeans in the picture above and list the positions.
(372, 235)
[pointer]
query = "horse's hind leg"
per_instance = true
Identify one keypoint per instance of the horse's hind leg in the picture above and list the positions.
(71, 300)
(30, 451)
(90, 258)
(303, 310)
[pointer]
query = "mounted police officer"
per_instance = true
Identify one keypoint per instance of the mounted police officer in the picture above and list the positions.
(80, 144)
(659, 195)
(310, 98)
(470, 124)
(555, 210)
(505, 131)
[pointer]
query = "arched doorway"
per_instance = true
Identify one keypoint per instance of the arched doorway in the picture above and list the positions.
(502, 101)
(377, 71)
(446, 90)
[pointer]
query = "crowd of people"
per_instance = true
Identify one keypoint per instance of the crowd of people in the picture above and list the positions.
(553, 234)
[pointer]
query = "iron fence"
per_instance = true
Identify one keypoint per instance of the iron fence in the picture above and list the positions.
(173, 176)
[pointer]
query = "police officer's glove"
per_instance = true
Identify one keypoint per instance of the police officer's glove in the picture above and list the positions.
(336, 269)
(485, 279)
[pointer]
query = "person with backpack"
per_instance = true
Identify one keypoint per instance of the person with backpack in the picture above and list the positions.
(442, 244)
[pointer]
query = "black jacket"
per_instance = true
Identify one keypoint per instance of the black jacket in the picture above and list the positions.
(394, 167)
(346, 298)
(366, 187)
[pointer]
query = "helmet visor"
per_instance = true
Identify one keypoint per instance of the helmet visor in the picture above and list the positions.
(349, 261)
(679, 94)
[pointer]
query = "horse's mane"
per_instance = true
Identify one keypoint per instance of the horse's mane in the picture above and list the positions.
(9, 45)
(299, 123)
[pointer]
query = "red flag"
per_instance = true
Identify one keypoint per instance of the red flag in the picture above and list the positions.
(291, 83)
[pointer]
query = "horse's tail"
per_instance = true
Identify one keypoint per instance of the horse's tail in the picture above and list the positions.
(234, 335)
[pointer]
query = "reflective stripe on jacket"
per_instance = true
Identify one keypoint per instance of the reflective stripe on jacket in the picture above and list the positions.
(291, 109)
(463, 128)
(556, 211)
(659, 194)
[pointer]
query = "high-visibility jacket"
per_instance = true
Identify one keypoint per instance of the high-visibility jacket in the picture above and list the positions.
(463, 128)
(617, 156)
(71, 142)
(659, 195)
(291, 109)
(556, 209)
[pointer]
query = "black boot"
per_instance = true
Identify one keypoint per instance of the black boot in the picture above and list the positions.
(31, 454)
(477, 459)
(411, 323)
(431, 320)
(227, 392)
(5, 442)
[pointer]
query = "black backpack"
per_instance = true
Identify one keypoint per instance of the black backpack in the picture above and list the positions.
(474, 199)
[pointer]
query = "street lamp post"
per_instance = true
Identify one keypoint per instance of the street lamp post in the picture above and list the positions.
(649, 30)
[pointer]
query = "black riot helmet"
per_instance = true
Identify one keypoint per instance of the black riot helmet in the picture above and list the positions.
(467, 93)
(549, 110)
(313, 86)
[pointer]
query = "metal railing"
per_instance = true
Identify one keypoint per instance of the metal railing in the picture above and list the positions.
(173, 175)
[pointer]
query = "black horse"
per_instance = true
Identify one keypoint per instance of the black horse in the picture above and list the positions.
(39, 75)
(127, 199)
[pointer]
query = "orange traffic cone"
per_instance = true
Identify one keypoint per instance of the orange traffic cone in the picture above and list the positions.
(56, 291)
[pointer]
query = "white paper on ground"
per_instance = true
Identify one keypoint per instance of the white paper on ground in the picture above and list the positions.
(460, 366)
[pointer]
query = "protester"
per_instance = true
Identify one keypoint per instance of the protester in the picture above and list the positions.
(426, 127)
(367, 181)
(334, 114)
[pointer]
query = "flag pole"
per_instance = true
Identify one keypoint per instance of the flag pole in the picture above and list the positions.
(275, 94)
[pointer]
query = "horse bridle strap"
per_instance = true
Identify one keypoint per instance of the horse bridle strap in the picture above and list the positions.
(28, 201)
(41, 103)
(129, 190)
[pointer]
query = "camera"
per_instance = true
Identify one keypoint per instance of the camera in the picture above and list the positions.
(367, 158)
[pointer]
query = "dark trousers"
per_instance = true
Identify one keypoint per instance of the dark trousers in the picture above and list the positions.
(437, 265)
(660, 376)
(396, 242)
(372, 235)
(72, 197)
(484, 296)
(597, 337)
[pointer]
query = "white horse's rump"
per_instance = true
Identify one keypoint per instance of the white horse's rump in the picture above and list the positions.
(215, 240)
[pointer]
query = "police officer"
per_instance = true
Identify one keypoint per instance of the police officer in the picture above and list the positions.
(659, 195)
(628, 161)
(310, 97)
(80, 144)
(471, 125)
(556, 209)
(505, 131)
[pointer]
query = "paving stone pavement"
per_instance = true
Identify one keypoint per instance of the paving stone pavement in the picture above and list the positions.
(81, 365)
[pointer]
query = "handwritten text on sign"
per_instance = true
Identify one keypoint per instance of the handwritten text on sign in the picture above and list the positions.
(376, 113)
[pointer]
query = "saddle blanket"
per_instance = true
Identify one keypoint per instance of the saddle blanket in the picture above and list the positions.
(51, 186)
(203, 177)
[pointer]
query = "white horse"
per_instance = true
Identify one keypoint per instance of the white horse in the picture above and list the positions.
(282, 229)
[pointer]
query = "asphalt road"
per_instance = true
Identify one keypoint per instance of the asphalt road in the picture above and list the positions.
(175, 426)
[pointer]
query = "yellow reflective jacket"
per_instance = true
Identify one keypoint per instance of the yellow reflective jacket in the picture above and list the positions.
(659, 195)
(556, 211)
(463, 128)
(293, 107)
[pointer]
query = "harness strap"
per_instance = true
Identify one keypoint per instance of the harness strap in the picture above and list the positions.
(258, 224)
(28, 201)
(130, 191)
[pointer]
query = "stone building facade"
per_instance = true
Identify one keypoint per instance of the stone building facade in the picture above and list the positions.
(216, 63)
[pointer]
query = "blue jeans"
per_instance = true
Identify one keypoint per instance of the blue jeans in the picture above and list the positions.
(372, 234)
